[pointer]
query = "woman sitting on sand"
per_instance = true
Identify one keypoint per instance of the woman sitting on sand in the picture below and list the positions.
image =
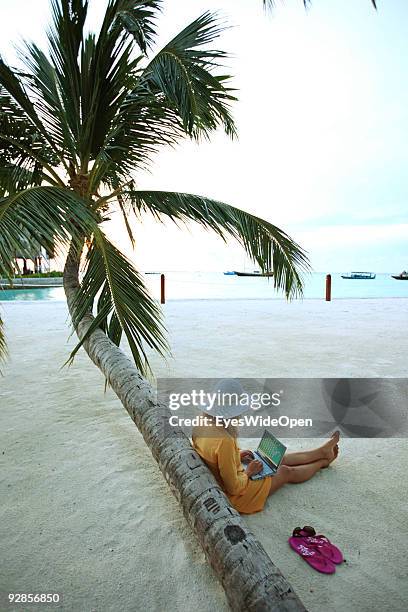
(217, 446)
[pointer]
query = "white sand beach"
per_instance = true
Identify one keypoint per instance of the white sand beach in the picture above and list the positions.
(86, 512)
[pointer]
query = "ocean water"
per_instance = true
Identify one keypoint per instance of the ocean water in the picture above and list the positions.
(215, 285)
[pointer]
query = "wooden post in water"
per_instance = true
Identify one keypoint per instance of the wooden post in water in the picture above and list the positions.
(328, 288)
(162, 289)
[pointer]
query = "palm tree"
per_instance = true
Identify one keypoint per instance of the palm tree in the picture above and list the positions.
(76, 124)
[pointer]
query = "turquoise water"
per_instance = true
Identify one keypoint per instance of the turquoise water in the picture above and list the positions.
(17, 295)
(214, 285)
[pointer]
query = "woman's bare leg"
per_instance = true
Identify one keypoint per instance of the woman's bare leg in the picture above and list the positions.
(301, 473)
(326, 451)
(296, 473)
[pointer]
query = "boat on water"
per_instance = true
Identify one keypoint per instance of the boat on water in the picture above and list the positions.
(359, 276)
(229, 273)
(254, 273)
(402, 276)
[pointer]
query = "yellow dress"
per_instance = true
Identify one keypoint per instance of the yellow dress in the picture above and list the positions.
(220, 452)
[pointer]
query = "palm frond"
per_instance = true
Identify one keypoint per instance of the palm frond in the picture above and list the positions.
(124, 304)
(46, 89)
(176, 93)
(108, 68)
(65, 39)
(18, 177)
(182, 71)
(144, 124)
(51, 216)
(125, 216)
(138, 18)
(271, 248)
(92, 74)
(10, 82)
(22, 147)
(107, 76)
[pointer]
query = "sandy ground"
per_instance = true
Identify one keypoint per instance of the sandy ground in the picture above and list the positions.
(86, 513)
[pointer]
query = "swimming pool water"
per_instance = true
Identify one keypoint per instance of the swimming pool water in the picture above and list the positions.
(17, 295)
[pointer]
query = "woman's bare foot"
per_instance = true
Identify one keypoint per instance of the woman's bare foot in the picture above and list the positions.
(330, 449)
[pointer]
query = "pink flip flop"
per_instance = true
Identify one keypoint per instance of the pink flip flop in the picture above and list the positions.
(320, 542)
(312, 556)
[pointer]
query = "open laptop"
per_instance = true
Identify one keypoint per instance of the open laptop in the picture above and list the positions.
(270, 451)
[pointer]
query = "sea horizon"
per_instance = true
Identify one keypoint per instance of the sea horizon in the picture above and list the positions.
(202, 285)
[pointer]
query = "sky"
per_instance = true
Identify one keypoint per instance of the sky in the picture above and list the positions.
(322, 120)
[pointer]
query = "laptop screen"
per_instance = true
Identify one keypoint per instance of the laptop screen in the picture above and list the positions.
(271, 448)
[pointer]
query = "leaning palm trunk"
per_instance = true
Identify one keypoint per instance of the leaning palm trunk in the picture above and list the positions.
(250, 580)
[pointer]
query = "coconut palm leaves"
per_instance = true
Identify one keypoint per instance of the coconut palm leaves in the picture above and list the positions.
(180, 72)
(46, 215)
(124, 305)
(79, 119)
(265, 243)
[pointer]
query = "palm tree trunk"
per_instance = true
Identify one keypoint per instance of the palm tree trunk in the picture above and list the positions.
(250, 579)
